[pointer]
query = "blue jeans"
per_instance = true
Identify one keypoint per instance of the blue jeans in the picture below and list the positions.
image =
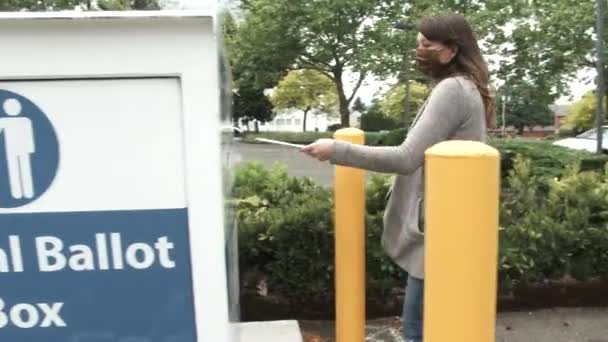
(412, 310)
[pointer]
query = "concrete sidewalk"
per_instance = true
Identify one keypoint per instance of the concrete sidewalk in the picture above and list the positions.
(553, 325)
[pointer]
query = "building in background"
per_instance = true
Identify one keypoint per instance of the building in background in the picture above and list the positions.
(560, 113)
(293, 121)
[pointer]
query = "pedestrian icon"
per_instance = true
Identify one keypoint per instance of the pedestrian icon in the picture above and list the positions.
(29, 151)
(19, 144)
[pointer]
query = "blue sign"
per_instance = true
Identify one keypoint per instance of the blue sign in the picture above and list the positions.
(116, 276)
(103, 275)
(29, 151)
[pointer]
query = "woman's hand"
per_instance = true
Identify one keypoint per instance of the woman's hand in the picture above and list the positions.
(320, 149)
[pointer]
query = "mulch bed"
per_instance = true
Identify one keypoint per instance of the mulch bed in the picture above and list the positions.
(563, 293)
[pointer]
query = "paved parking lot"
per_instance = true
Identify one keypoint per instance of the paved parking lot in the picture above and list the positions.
(298, 164)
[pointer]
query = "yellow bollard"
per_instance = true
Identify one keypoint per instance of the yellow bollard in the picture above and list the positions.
(461, 252)
(349, 199)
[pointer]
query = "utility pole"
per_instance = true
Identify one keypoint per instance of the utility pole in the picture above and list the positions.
(600, 72)
(504, 108)
(406, 68)
(504, 94)
(406, 75)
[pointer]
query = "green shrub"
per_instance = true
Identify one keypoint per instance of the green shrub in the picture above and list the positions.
(291, 137)
(373, 138)
(547, 234)
(334, 127)
(391, 138)
(550, 227)
(373, 122)
(394, 138)
(528, 235)
(548, 160)
(566, 133)
(285, 231)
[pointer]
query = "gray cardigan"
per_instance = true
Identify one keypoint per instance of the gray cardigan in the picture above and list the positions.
(453, 111)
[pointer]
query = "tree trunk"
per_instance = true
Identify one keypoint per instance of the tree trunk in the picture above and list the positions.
(304, 121)
(343, 102)
(406, 110)
(257, 126)
(520, 129)
(605, 103)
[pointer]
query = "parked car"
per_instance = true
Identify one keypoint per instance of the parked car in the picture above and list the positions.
(586, 141)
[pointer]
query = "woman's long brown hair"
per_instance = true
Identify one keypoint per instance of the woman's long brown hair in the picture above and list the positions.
(454, 30)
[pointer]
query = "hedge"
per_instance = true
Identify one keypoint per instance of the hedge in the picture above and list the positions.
(383, 138)
(550, 228)
(549, 160)
(291, 137)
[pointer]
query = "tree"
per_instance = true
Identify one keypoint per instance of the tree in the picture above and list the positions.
(251, 104)
(342, 38)
(34, 5)
(393, 103)
(55, 5)
(582, 113)
(550, 41)
(305, 90)
(526, 106)
(374, 119)
(253, 45)
(530, 59)
(125, 5)
(533, 71)
(573, 37)
(359, 106)
(547, 43)
(331, 37)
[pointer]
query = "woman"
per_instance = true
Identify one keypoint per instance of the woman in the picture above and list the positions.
(459, 107)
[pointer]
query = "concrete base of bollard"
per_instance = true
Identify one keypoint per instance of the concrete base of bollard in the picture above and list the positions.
(277, 331)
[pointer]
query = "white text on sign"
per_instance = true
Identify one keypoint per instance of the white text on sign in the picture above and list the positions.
(106, 253)
(26, 316)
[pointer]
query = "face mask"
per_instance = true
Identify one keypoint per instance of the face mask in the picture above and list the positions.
(428, 62)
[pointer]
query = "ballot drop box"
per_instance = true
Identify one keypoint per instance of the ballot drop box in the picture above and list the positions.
(111, 190)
